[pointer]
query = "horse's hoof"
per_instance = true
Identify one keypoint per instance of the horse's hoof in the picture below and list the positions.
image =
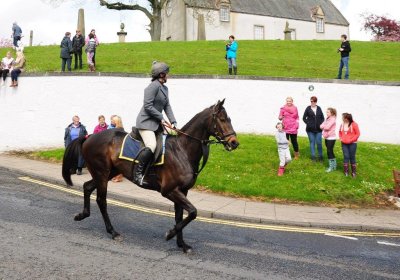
(170, 234)
(117, 237)
(80, 216)
(188, 250)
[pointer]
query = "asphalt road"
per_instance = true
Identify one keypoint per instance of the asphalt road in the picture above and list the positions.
(40, 240)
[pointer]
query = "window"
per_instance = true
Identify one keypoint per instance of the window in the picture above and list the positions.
(258, 32)
(224, 13)
(320, 25)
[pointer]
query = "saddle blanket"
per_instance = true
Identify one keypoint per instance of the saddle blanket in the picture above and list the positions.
(131, 148)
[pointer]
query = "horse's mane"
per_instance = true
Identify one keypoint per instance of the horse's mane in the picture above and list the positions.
(196, 118)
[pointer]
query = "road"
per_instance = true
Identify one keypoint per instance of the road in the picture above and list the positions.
(40, 240)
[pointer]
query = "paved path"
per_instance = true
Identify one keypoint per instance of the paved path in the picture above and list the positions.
(210, 205)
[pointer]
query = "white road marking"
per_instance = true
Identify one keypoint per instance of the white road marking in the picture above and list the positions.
(388, 243)
(341, 236)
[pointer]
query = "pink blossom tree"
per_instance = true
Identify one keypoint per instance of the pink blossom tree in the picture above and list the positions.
(382, 28)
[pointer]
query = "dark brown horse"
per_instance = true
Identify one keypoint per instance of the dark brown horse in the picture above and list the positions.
(173, 179)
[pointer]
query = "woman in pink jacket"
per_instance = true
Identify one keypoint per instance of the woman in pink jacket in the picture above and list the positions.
(290, 119)
(329, 133)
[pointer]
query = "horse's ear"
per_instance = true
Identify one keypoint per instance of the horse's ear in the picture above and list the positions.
(220, 104)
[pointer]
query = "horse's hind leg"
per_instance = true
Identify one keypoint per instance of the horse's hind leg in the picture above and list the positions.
(88, 188)
(179, 236)
(102, 203)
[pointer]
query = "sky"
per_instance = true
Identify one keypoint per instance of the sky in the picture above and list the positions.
(49, 21)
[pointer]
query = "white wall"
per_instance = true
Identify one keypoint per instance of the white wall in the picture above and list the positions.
(242, 26)
(36, 113)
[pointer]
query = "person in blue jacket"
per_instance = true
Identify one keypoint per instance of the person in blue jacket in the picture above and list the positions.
(231, 54)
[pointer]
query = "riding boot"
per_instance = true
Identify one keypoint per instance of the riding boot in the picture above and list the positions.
(346, 169)
(353, 170)
(139, 168)
(234, 70)
(230, 71)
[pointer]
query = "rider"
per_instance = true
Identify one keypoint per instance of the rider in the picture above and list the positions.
(150, 117)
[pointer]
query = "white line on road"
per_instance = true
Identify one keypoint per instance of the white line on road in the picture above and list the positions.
(388, 243)
(341, 236)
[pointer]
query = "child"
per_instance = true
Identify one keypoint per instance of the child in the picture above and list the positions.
(328, 132)
(90, 50)
(283, 148)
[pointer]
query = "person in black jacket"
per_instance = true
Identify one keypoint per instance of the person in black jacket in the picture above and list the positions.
(66, 51)
(77, 44)
(344, 50)
(313, 118)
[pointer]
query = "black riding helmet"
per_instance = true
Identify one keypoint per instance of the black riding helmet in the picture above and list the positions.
(159, 68)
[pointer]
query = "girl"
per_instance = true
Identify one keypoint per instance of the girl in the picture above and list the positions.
(283, 148)
(328, 132)
(349, 134)
(290, 120)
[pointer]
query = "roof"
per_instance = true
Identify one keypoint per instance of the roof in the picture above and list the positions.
(290, 9)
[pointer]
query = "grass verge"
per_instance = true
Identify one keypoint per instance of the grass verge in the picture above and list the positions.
(250, 172)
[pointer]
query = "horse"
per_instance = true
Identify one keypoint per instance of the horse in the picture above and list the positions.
(173, 179)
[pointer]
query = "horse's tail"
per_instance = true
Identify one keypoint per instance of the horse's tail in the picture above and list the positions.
(71, 158)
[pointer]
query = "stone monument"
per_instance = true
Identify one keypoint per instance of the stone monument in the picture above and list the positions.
(121, 34)
(81, 22)
(201, 28)
(288, 32)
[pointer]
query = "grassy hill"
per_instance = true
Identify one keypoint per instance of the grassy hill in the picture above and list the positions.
(304, 59)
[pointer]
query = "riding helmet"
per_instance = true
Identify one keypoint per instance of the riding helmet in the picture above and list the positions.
(159, 68)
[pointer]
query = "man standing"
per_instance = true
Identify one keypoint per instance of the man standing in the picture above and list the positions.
(16, 34)
(66, 51)
(344, 50)
(77, 43)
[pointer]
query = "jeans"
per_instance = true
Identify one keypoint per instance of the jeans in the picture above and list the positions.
(349, 153)
(344, 62)
(231, 62)
(15, 40)
(293, 139)
(68, 61)
(78, 56)
(14, 74)
(315, 138)
(329, 148)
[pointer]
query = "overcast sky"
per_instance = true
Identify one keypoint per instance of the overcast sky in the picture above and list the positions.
(50, 22)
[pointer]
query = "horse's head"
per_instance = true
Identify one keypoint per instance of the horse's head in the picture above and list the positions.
(221, 127)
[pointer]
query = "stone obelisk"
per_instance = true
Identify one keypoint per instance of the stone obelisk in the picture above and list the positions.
(81, 22)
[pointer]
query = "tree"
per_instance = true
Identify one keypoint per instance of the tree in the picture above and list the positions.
(381, 27)
(153, 13)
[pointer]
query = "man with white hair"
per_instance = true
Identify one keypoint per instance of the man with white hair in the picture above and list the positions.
(16, 34)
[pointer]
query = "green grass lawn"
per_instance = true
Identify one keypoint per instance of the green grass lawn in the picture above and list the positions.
(302, 59)
(250, 171)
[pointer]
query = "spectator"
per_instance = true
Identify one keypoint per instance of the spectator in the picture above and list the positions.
(283, 148)
(90, 52)
(73, 131)
(231, 54)
(344, 50)
(101, 126)
(290, 120)
(349, 134)
(150, 118)
(313, 118)
(66, 51)
(17, 68)
(112, 122)
(118, 124)
(16, 34)
(77, 44)
(329, 133)
(93, 32)
(6, 65)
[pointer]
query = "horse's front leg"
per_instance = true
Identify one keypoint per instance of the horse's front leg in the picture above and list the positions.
(102, 203)
(179, 236)
(88, 188)
(181, 202)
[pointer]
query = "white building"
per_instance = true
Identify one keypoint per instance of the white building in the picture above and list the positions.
(187, 20)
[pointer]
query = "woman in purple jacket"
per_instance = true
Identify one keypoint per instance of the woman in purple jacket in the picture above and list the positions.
(290, 119)
(329, 133)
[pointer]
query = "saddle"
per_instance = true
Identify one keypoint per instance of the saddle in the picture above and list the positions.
(133, 144)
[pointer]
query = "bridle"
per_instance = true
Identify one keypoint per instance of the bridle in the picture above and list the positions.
(205, 143)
